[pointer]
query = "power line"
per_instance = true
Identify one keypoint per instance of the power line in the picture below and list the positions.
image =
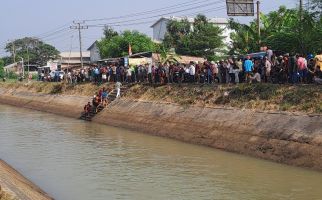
(160, 15)
(149, 22)
(53, 30)
(184, 4)
(59, 36)
(54, 33)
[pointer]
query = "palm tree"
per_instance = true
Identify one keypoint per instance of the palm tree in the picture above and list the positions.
(168, 56)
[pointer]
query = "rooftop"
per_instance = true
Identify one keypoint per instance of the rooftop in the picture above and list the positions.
(74, 54)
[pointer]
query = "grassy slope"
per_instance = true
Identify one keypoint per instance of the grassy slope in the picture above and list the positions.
(306, 98)
(57, 88)
(301, 98)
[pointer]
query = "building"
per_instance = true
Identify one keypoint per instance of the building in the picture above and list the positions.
(94, 52)
(14, 67)
(160, 27)
(73, 59)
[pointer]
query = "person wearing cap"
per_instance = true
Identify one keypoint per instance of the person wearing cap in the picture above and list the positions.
(248, 66)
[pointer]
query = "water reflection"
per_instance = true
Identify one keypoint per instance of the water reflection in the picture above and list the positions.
(72, 159)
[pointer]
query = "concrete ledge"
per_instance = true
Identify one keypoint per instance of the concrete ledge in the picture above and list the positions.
(290, 139)
(13, 186)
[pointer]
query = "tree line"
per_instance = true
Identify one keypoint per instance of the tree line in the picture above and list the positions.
(286, 30)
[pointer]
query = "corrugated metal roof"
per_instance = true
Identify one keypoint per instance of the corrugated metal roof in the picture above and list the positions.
(74, 54)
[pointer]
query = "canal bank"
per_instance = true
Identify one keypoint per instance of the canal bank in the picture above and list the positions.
(13, 186)
(294, 139)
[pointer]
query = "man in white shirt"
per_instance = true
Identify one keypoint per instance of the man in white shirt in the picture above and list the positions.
(149, 70)
(268, 68)
(192, 72)
(118, 89)
(269, 53)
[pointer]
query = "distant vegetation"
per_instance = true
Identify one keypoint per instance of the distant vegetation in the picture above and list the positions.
(281, 30)
(32, 49)
(115, 45)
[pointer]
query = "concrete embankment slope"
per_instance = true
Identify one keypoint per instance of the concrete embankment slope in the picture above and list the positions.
(281, 137)
(13, 186)
(66, 105)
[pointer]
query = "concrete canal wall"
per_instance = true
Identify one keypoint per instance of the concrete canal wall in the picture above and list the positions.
(294, 139)
(13, 186)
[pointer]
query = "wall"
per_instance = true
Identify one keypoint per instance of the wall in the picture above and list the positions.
(281, 137)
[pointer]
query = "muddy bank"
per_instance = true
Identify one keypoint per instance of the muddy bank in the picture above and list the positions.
(13, 186)
(281, 137)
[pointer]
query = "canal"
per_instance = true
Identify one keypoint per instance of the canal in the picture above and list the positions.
(75, 160)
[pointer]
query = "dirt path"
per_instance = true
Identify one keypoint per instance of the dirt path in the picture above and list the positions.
(14, 186)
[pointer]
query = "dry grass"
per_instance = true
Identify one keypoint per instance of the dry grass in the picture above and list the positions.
(304, 98)
(269, 97)
(57, 88)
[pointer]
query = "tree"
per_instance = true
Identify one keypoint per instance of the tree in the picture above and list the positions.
(2, 73)
(282, 30)
(167, 55)
(7, 60)
(201, 38)
(316, 7)
(33, 49)
(118, 46)
(109, 32)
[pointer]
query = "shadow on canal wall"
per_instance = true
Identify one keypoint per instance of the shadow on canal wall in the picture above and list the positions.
(281, 137)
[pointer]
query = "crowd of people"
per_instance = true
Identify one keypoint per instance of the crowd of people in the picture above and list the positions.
(287, 68)
(101, 99)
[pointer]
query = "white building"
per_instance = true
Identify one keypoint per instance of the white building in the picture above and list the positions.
(72, 59)
(160, 27)
(94, 52)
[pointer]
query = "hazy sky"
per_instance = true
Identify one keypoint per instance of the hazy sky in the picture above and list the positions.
(47, 18)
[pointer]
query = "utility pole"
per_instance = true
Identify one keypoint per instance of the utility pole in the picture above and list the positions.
(301, 25)
(80, 27)
(301, 10)
(258, 24)
(28, 58)
(23, 67)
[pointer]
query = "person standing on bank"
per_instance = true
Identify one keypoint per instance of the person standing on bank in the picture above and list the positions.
(118, 89)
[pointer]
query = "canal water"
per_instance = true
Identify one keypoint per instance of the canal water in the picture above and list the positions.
(75, 160)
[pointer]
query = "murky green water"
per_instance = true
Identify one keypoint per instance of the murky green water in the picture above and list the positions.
(74, 160)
